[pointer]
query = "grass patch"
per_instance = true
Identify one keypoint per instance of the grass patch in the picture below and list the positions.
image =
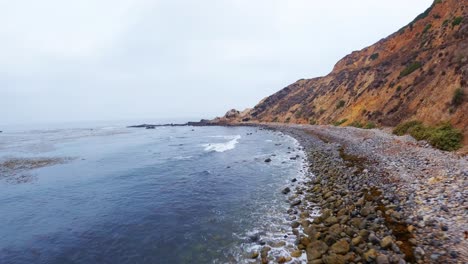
(426, 28)
(340, 104)
(312, 122)
(410, 68)
(457, 21)
(398, 88)
(458, 96)
(444, 136)
(370, 125)
(340, 122)
(288, 120)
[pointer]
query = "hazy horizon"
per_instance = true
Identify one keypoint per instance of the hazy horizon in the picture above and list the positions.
(134, 60)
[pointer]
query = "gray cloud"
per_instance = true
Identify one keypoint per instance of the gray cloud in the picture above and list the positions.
(94, 60)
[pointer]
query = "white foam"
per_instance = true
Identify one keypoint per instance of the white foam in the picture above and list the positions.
(222, 147)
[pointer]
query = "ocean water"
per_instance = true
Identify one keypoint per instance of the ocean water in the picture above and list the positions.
(164, 195)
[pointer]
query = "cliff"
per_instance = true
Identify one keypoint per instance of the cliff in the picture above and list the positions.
(412, 74)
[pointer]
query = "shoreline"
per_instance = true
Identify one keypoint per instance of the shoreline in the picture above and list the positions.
(383, 198)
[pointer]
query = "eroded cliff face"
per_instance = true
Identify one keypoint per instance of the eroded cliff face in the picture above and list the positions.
(412, 74)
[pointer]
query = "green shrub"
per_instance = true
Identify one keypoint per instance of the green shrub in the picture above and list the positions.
(370, 125)
(275, 119)
(457, 98)
(288, 119)
(321, 111)
(374, 56)
(340, 104)
(444, 136)
(398, 88)
(339, 123)
(356, 124)
(426, 28)
(312, 122)
(402, 128)
(410, 68)
(457, 21)
(445, 23)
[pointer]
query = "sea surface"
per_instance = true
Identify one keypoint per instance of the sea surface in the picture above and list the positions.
(131, 195)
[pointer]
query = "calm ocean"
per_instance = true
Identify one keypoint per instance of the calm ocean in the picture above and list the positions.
(165, 195)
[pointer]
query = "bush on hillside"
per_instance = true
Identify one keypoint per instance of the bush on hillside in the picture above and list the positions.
(410, 68)
(444, 136)
(340, 104)
(402, 128)
(457, 98)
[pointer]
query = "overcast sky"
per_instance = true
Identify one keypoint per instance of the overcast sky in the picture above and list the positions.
(122, 59)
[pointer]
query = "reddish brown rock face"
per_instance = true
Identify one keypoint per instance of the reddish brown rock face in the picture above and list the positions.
(412, 74)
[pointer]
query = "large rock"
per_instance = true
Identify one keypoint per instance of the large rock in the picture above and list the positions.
(340, 247)
(334, 259)
(316, 249)
(233, 113)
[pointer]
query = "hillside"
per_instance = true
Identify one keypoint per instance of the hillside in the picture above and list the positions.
(412, 74)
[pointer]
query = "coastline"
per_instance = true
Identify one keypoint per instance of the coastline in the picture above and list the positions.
(382, 198)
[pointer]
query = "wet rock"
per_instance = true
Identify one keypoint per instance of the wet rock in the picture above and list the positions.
(254, 255)
(295, 202)
(294, 180)
(296, 253)
(268, 160)
(295, 224)
(286, 190)
(340, 247)
(264, 251)
(283, 259)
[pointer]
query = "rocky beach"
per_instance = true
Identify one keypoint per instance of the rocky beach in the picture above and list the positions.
(381, 199)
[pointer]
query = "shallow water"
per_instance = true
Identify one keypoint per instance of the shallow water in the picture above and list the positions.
(168, 195)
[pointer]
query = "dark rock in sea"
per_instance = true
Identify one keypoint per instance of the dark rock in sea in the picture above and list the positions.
(254, 238)
(294, 180)
(268, 160)
(295, 202)
(286, 190)
(292, 158)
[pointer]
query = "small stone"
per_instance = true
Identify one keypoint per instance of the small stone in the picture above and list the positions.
(419, 252)
(331, 220)
(386, 242)
(294, 180)
(268, 160)
(254, 255)
(356, 241)
(286, 190)
(373, 239)
(370, 255)
(382, 259)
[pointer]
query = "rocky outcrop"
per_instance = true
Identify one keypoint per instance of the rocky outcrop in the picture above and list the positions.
(412, 74)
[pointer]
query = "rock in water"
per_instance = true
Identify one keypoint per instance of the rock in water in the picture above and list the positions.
(295, 202)
(286, 190)
(268, 160)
